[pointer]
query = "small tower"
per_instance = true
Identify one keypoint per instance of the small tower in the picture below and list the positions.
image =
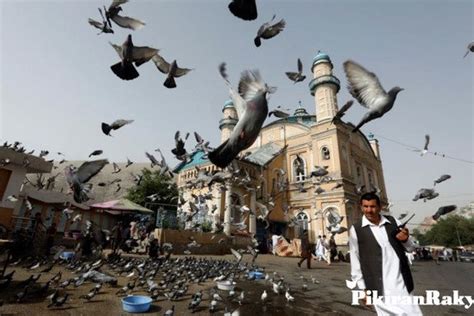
(324, 87)
(228, 121)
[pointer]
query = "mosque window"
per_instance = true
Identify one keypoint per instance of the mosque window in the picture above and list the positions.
(302, 219)
(299, 169)
(325, 154)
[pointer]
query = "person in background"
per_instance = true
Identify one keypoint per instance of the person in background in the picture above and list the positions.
(305, 250)
(50, 234)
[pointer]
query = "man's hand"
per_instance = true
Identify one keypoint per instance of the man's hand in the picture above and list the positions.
(403, 235)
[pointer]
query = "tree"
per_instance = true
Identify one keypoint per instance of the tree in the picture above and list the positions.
(153, 183)
(450, 232)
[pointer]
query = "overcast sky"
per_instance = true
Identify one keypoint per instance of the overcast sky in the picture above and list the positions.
(57, 86)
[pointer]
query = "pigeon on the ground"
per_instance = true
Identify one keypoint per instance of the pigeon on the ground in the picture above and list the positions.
(112, 13)
(107, 128)
(443, 210)
(76, 178)
(244, 9)
(130, 54)
(297, 76)
(365, 87)
(252, 109)
(171, 70)
(267, 31)
(342, 111)
(442, 178)
(470, 48)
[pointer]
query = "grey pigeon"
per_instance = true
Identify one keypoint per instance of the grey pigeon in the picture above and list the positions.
(96, 153)
(297, 76)
(252, 108)
(171, 70)
(342, 111)
(129, 163)
(425, 194)
(153, 160)
(179, 151)
(107, 128)
(279, 113)
(112, 13)
(425, 148)
(130, 54)
(443, 210)
(470, 48)
(76, 178)
(267, 31)
(442, 178)
(365, 87)
(244, 9)
(103, 26)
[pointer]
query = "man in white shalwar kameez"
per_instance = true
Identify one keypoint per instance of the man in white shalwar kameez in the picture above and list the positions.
(391, 282)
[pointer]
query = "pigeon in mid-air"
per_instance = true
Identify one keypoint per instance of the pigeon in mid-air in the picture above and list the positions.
(112, 13)
(365, 87)
(244, 9)
(77, 178)
(279, 113)
(342, 111)
(297, 76)
(130, 54)
(96, 153)
(179, 151)
(443, 210)
(171, 70)
(103, 26)
(107, 128)
(470, 48)
(425, 148)
(267, 30)
(442, 178)
(252, 108)
(425, 194)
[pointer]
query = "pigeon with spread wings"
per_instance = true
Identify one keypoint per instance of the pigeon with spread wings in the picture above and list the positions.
(171, 70)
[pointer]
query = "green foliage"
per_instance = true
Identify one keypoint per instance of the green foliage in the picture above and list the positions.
(206, 226)
(153, 183)
(449, 231)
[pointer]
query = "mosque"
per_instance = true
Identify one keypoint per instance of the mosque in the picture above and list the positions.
(285, 199)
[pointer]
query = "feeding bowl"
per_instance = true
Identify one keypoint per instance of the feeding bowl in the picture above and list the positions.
(66, 255)
(256, 275)
(225, 285)
(136, 303)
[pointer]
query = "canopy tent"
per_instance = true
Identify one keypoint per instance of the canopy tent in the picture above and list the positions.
(121, 206)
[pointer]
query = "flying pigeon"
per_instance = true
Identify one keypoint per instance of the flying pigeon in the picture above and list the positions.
(365, 87)
(106, 128)
(279, 113)
(76, 178)
(153, 160)
(342, 111)
(244, 9)
(425, 148)
(236, 254)
(117, 169)
(470, 48)
(129, 163)
(112, 13)
(297, 76)
(252, 108)
(103, 26)
(425, 194)
(267, 31)
(130, 54)
(444, 177)
(179, 151)
(96, 153)
(171, 70)
(443, 210)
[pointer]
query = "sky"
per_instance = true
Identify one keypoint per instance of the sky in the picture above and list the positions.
(57, 87)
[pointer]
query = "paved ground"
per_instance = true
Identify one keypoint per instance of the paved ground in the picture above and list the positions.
(328, 297)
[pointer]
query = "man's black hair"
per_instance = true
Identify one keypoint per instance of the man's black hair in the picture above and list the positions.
(370, 196)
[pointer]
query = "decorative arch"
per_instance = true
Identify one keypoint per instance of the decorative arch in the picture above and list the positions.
(302, 219)
(299, 172)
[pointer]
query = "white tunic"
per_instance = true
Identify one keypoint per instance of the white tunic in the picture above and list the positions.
(393, 284)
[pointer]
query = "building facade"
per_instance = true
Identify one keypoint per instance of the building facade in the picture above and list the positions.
(285, 198)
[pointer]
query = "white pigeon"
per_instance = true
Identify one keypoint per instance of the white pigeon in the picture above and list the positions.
(12, 198)
(365, 87)
(288, 296)
(351, 284)
(264, 296)
(77, 218)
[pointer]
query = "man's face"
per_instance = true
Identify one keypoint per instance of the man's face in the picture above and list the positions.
(371, 210)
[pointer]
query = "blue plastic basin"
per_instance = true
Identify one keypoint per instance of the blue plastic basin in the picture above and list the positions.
(67, 255)
(136, 303)
(256, 275)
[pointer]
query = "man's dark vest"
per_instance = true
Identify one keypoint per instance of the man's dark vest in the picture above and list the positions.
(370, 255)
